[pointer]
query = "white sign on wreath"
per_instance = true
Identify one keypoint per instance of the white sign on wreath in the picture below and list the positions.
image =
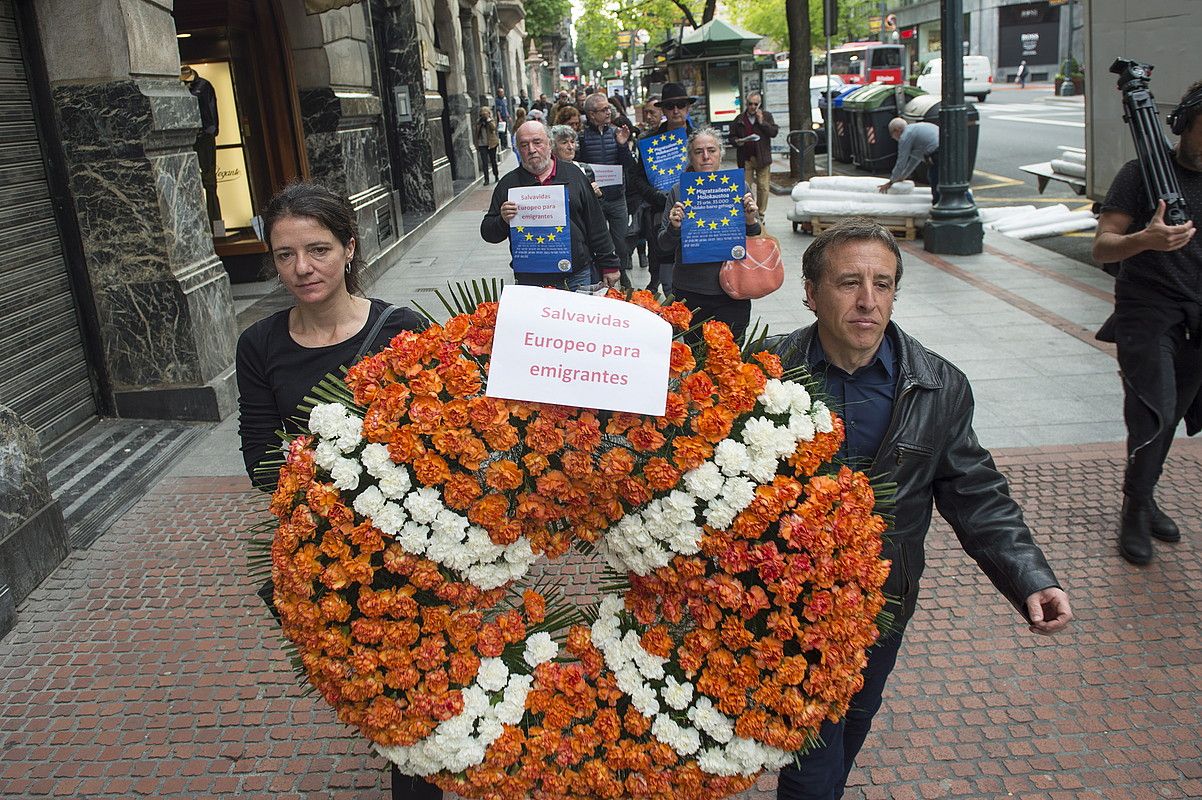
(573, 349)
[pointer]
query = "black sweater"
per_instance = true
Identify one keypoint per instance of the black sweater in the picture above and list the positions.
(275, 373)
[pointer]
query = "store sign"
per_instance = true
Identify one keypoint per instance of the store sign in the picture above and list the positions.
(1029, 32)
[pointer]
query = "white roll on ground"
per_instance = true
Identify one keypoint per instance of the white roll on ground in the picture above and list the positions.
(1068, 167)
(900, 200)
(1064, 225)
(856, 183)
(857, 208)
(1075, 156)
(1039, 216)
(996, 213)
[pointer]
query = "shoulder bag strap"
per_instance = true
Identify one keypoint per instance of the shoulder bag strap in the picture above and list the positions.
(374, 332)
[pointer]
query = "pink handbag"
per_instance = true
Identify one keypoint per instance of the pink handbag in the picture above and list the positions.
(758, 273)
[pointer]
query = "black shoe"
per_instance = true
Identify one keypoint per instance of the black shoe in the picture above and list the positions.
(1162, 525)
(1135, 531)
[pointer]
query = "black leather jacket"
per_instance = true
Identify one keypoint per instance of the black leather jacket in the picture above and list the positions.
(932, 453)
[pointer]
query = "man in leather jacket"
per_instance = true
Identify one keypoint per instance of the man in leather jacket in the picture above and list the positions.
(908, 417)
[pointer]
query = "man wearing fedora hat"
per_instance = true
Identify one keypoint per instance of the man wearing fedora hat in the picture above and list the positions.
(674, 102)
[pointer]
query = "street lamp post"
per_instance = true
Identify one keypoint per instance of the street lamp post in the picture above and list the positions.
(955, 226)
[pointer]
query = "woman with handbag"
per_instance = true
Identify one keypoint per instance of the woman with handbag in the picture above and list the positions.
(311, 237)
(487, 142)
(699, 286)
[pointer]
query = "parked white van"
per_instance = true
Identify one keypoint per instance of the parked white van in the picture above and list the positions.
(978, 77)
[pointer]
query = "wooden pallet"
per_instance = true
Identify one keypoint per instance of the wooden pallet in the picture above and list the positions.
(906, 228)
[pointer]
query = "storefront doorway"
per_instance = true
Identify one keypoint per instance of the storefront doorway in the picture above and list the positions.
(237, 62)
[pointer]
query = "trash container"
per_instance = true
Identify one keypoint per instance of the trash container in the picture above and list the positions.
(841, 140)
(870, 112)
(925, 108)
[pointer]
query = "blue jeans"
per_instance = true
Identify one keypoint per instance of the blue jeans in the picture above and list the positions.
(824, 770)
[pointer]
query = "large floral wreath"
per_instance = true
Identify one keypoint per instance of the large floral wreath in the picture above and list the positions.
(749, 571)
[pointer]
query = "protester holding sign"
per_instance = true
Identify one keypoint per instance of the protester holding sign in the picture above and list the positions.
(697, 284)
(674, 102)
(591, 246)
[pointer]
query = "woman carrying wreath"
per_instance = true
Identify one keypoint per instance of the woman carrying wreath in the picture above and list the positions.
(311, 235)
(697, 285)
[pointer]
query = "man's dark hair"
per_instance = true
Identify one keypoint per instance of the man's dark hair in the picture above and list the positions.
(329, 209)
(852, 229)
(1192, 113)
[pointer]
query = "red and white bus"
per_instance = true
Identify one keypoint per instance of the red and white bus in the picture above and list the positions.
(866, 62)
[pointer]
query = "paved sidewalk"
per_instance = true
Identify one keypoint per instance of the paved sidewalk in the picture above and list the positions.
(146, 667)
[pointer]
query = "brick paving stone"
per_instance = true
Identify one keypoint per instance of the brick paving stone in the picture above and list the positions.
(146, 666)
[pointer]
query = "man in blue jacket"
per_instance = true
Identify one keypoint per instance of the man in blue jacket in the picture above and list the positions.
(592, 248)
(603, 143)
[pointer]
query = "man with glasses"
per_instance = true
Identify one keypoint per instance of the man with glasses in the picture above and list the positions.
(601, 142)
(674, 102)
(751, 135)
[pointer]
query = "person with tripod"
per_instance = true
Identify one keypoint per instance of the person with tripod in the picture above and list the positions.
(1157, 323)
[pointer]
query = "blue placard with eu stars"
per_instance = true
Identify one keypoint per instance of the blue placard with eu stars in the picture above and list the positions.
(713, 228)
(540, 238)
(665, 156)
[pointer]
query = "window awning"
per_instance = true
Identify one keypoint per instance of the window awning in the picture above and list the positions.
(321, 6)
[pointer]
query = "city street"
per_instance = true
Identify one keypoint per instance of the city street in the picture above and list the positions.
(145, 666)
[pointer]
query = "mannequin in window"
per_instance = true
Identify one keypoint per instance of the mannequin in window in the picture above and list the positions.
(206, 139)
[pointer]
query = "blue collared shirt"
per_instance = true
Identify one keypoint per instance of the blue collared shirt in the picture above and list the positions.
(864, 399)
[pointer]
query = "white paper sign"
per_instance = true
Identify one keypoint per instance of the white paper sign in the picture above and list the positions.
(607, 174)
(571, 349)
(539, 206)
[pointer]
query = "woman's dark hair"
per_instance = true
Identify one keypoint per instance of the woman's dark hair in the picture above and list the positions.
(329, 209)
(852, 229)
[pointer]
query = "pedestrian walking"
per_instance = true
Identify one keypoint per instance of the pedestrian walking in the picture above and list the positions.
(1156, 324)
(1021, 75)
(541, 104)
(602, 142)
(908, 417)
(917, 142)
(751, 134)
(312, 240)
(519, 119)
(485, 136)
(503, 115)
(697, 285)
(523, 100)
(591, 245)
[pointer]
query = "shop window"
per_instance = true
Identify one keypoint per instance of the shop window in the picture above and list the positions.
(234, 196)
(722, 80)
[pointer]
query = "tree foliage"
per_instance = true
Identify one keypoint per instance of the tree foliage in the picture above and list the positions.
(768, 18)
(600, 21)
(544, 16)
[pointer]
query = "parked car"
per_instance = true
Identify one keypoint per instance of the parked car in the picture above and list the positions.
(978, 77)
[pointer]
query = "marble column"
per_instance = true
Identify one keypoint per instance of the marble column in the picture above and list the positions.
(162, 296)
(33, 537)
(401, 65)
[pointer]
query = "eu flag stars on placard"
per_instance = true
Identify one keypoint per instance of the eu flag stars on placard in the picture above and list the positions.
(541, 249)
(664, 157)
(713, 228)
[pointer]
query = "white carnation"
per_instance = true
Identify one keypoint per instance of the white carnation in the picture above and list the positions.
(424, 504)
(762, 468)
(776, 397)
(326, 454)
(801, 426)
(389, 519)
(731, 457)
(345, 473)
(676, 694)
(493, 675)
(375, 457)
(739, 492)
(369, 502)
(644, 701)
(325, 419)
(822, 418)
(395, 482)
(705, 482)
(540, 648)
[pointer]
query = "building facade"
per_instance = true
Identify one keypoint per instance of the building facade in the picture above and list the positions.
(1006, 31)
(142, 140)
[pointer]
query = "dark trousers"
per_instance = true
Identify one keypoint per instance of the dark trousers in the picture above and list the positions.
(1162, 374)
(405, 787)
(723, 308)
(488, 156)
(933, 176)
(823, 771)
(619, 223)
(206, 154)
